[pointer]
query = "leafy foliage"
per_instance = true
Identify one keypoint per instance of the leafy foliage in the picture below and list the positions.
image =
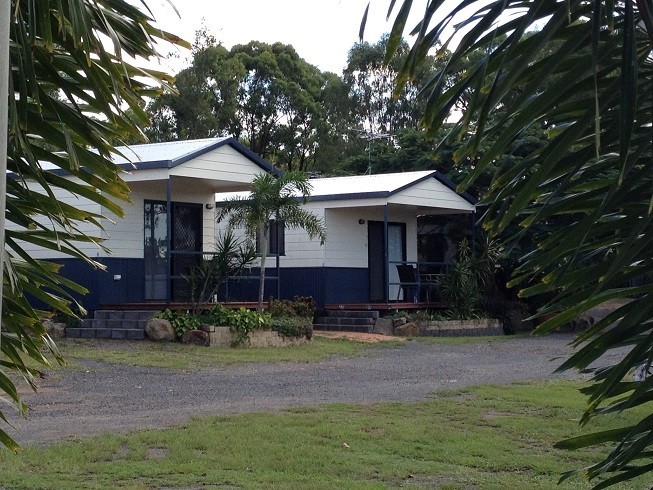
(71, 94)
(585, 195)
(299, 306)
(181, 321)
(231, 257)
(462, 285)
(289, 326)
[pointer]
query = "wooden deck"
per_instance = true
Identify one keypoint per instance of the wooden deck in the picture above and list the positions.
(175, 306)
(251, 305)
(433, 305)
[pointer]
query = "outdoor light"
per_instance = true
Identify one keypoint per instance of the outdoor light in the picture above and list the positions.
(210, 206)
(361, 221)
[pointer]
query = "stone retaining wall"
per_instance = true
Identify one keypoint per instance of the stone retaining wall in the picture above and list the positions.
(222, 337)
(449, 328)
(462, 328)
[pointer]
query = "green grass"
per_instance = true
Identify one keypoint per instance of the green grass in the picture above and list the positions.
(189, 357)
(483, 437)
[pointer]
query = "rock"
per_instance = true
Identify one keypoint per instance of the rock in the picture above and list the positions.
(408, 330)
(383, 326)
(159, 330)
(583, 322)
(196, 337)
(205, 327)
(515, 321)
(54, 329)
(398, 322)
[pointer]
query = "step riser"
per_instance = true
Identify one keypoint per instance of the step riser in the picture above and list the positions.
(109, 324)
(343, 328)
(345, 321)
(352, 314)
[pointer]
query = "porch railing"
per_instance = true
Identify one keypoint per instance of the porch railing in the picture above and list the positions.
(427, 275)
(271, 275)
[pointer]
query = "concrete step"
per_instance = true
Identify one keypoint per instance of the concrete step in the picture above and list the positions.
(116, 324)
(352, 314)
(343, 328)
(123, 315)
(331, 320)
(105, 333)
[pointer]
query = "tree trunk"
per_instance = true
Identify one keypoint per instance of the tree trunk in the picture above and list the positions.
(264, 232)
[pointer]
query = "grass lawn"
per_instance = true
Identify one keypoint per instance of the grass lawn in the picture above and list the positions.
(190, 357)
(482, 437)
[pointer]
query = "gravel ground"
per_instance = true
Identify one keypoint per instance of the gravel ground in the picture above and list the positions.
(112, 398)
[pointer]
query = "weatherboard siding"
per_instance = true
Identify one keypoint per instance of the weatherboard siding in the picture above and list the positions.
(222, 164)
(431, 193)
(125, 237)
(90, 229)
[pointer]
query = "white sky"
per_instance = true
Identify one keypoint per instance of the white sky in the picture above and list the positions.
(321, 31)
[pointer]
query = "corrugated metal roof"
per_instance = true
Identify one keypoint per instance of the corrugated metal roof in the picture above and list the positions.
(364, 186)
(333, 186)
(172, 153)
(157, 152)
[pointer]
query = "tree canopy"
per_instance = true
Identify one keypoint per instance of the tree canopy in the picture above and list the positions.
(585, 77)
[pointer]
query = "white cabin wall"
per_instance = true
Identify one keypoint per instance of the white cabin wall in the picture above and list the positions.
(347, 239)
(88, 228)
(223, 164)
(431, 193)
(125, 237)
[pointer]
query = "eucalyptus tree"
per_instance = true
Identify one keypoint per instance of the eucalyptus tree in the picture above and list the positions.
(71, 92)
(587, 77)
(273, 201)
(263, 94)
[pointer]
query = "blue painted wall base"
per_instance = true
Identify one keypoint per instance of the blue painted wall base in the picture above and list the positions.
(324, 284)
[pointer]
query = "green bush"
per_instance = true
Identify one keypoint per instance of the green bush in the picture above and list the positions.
(293, 326)
(300, 306)
(241, 321)
(181, 321)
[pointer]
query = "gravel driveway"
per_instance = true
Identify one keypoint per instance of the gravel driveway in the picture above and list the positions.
(103, 397)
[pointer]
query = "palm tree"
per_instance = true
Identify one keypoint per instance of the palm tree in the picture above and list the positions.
(71, 95)
(584, 71)
(273, 200)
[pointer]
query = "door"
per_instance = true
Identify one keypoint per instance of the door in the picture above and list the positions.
(186, 220)
(376, 258)
(186, 242)
(155, 250)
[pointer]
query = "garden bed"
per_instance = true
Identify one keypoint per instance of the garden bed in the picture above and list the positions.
(223, 337)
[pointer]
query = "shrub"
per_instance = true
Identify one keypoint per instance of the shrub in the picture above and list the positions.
(181, 321)
(300, 306)
(293, 326)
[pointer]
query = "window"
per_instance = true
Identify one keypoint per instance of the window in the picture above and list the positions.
(277, 237)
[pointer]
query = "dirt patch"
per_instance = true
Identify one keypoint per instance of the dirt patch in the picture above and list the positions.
(370, 338)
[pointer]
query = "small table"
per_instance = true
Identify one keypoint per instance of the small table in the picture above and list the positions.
(429, 283)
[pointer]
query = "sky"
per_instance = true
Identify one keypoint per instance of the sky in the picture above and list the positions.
(321, 31)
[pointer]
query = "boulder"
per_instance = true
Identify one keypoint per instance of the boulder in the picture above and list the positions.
(159, 330)
(410, 329)
(383, 326)
(54, 329)
(583, 322)
(196, 337)
(398, 322)
(516, 321)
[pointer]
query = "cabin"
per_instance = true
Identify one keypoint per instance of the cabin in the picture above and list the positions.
(168, 225)
(372, 234)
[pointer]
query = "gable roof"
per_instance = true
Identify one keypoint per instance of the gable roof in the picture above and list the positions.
(376, 185)
(367, 186)
(173, 153)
